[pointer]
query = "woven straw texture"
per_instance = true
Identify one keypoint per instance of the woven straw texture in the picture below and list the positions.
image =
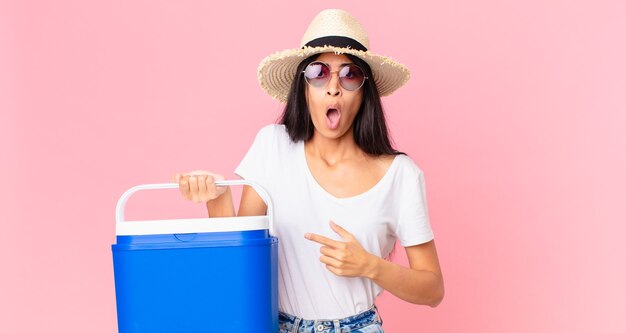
(277, 71)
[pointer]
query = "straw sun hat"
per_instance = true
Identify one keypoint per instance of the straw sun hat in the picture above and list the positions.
(332, 30)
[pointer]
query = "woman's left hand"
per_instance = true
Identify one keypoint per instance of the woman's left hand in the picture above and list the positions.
(344, 258)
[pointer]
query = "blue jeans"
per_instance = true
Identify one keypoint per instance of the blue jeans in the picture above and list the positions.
(364, 322)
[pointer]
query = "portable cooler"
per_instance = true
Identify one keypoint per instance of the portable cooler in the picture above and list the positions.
(196, 275)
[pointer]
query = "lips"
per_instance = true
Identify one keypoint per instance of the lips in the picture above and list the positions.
(333, 115)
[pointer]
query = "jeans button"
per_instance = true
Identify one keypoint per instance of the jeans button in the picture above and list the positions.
(320, 327)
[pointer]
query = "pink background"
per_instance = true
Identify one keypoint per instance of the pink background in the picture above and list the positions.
(516, 112)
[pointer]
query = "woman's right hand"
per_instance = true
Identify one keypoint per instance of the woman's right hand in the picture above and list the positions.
(199, 186)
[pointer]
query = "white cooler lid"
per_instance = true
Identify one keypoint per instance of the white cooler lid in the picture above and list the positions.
(219, 224)
(194, 225)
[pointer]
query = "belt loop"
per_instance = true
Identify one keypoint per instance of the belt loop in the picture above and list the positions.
(378, 315)
(296, 324)
(337, 327)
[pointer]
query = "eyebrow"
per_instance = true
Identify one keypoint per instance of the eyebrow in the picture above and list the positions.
(343, 64)
(340, 65)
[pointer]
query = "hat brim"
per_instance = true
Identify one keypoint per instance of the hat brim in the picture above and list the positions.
(277, 71)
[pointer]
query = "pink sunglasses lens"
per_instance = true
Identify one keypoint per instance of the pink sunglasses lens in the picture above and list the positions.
(317, 74)
(351, 76)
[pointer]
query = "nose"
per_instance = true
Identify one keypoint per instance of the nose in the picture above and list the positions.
(333, 88)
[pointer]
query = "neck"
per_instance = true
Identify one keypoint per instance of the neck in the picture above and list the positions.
(333, 150)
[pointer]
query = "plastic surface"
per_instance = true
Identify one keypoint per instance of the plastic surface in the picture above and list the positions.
(228, 284)
(196, 225)
(123, 227)
(197, 282)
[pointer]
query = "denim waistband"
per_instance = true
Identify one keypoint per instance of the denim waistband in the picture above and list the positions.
(295, 324)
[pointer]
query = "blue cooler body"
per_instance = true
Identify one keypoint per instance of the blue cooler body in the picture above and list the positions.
(196, 275)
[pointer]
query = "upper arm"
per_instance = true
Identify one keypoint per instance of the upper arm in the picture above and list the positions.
(251, 203)
(424, 257)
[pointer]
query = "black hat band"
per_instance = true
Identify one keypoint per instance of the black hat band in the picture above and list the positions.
(336, 41)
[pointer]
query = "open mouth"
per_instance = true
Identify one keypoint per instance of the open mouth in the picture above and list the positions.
(332, 118)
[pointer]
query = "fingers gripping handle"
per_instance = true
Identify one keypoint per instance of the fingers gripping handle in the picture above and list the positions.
(121, 203)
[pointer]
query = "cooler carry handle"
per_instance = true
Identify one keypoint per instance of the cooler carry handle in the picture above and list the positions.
(121, 203)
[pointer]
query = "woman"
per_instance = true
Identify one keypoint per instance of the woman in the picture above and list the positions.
(342, 194)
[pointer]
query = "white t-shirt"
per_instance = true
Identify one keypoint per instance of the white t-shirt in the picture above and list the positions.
(394, 208)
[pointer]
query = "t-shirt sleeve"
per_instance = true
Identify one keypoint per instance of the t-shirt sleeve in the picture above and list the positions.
(413, 224)
(253, 166)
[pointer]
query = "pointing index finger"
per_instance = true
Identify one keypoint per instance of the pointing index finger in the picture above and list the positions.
(340, 230)
(322, 240)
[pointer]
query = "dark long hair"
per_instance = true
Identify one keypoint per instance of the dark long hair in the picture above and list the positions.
(370, 125)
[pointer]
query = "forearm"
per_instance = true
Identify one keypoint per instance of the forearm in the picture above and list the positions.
(221, 206)
(414, 286)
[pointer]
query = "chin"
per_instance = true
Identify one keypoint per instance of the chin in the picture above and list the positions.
(332, 133)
